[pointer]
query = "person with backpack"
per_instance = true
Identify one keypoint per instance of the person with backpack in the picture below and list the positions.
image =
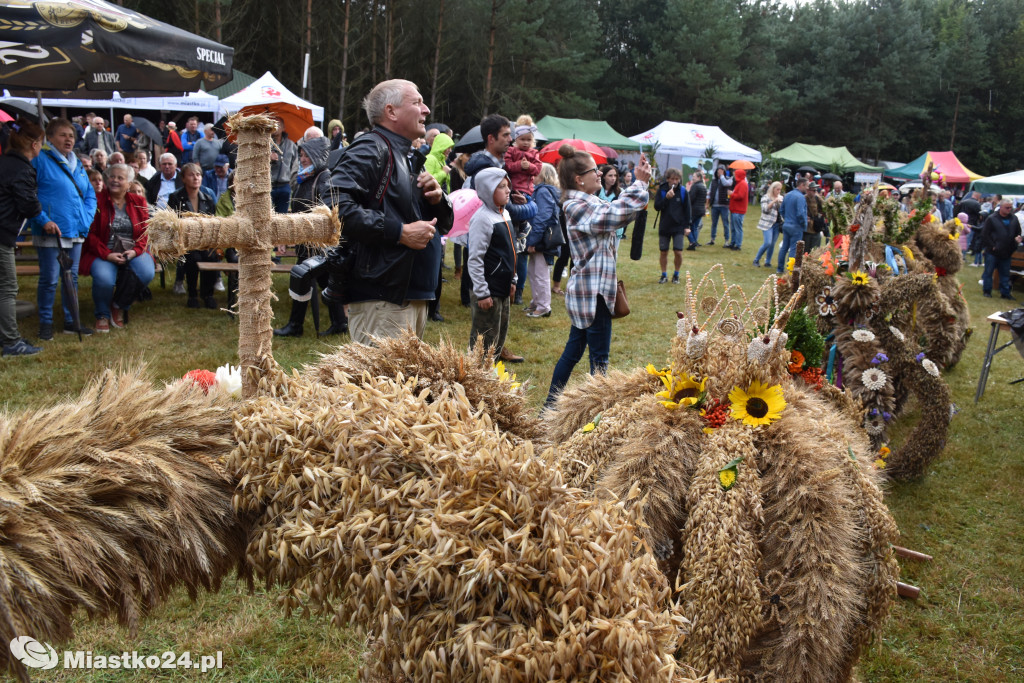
(394, 218)
(312, 189)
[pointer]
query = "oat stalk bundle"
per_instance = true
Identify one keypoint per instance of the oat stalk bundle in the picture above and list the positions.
(108, 502)
(453, 545)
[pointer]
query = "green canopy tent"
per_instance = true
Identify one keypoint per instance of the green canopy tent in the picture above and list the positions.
(823, 158)
(598, 132)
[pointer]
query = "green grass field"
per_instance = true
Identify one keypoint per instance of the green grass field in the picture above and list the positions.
(967, 511)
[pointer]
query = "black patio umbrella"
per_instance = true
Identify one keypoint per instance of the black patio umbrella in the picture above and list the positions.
(69, 292)
(830, 176)
(55, 46)
(806, 169)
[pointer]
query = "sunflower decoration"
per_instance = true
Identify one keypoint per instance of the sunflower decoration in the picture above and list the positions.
(860, 278)
(682, 391)
(664, 372)
(826, 302)
(505, 376)
(727, 475)
(592, 425)
(760, 404)
(790, 265)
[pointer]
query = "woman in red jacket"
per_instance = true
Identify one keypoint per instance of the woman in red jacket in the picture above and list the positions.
(115, 245)
(739, 198)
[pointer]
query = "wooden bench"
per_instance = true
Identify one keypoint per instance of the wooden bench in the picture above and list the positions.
(33, 269)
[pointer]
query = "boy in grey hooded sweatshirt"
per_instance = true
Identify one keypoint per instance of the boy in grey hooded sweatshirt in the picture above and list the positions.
(492, 260)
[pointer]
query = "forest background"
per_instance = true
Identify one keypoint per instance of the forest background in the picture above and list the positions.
(890, 79)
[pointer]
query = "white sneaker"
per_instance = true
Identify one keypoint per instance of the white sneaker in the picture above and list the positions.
(179, 288)
(218, 286)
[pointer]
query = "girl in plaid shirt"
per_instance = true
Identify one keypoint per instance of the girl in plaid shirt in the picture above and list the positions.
(590, 294)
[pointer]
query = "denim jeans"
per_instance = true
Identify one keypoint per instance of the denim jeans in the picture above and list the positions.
(49, 277)
(993, 263)
(723, 213)
(104, 277)
(737, 229)
(766, 250)
(281, 198)
(522, 271)
(597, 337)
(790, 237)
(8, 293)
(695, 228)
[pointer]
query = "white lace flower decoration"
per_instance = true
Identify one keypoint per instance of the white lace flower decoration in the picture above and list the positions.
(229, 380)
(697, 344)
(874, 379)
(896, 333)
(931, 367)
(863, 335)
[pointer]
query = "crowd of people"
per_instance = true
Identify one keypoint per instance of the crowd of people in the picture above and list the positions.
(85, 194)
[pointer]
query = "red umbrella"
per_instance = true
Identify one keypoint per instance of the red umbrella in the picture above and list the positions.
(740, 163)
(549, 152)
(609, 152)
(4, 116)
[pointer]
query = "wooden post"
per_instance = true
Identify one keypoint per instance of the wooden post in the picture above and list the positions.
(254, 229)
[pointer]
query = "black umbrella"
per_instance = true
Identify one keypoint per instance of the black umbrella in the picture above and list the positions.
(470, 142)
(146, 127)
(54, 46)
(806, 169)
(830, 176)
(69, 292)
(19, 108)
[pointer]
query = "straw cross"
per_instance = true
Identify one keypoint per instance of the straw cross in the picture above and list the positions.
(254, 229)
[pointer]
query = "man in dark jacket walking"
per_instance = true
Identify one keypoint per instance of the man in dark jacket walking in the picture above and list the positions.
(1000, 235)
(674, 222)
(393, 218)
(697, 197)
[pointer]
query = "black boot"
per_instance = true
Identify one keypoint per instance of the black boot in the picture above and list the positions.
(294, 326)
(339, 321)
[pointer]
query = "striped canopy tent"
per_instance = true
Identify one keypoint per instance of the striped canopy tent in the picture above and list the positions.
(945, 163)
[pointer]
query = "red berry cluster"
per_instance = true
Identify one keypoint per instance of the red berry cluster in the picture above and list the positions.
(716, 413)
(813, 377)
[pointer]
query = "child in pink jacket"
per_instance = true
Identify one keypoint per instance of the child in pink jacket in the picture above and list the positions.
(522, 161)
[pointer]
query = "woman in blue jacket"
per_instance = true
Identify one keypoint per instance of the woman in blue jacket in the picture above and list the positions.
(68, 203)
(547, 195)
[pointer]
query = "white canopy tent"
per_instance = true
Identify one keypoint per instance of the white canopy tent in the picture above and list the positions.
(267, 90)
(677, 141)
(196, 101)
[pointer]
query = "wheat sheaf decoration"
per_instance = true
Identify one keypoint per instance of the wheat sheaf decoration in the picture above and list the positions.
(757, 496)
(110, 501)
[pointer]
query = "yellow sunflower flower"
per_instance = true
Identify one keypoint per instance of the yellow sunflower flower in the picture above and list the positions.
(681, 391)
(760, 404)
(880, 464)
(589, 427)
(727, 478)
(505, 376)
(651, 370)
(859, 278)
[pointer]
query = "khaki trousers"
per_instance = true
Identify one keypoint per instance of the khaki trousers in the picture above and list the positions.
(369, 319)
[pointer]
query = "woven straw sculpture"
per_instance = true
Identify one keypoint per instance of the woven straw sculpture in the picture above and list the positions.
(775, 535)
(110, 501)
(254, 229)
(894, 333)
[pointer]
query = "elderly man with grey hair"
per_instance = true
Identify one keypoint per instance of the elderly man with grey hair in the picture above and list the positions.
(394, 216)
(98, 137)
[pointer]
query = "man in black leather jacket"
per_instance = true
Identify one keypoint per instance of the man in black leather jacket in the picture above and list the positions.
(393, 218)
